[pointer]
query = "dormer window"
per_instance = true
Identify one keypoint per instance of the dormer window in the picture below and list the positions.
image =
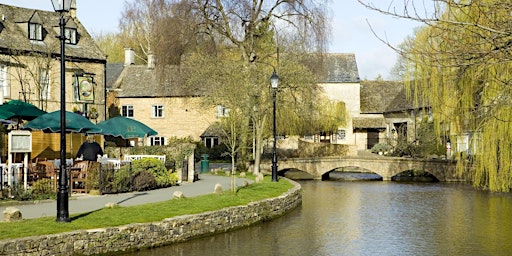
(35, 31)
(35, 28)
(71, 35)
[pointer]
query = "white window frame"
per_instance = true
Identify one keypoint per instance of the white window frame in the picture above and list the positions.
(44, 84)
(5, 88)
(341, 135)
(35, 31)
(222, 111)
(156, 141)
(127, 110)
(71, 35)
(157, 111)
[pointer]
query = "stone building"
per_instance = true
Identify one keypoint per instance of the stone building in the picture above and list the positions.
(163, 103)
(30, 61)
(30, 68)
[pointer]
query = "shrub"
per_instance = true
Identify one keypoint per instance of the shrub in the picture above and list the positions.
(381, 147)
(43, 189)
(19, 193)
(144, 181)
(156, 168)
(122, 180)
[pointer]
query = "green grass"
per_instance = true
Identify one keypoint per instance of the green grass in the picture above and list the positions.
(111, 217)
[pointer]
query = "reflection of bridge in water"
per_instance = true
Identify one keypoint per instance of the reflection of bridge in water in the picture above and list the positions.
(386, 167)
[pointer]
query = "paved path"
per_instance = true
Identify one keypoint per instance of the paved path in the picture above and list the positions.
(86, 203)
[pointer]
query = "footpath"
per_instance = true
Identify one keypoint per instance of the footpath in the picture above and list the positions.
(81, 203)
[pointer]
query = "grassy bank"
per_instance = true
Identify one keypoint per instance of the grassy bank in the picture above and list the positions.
(109, 217)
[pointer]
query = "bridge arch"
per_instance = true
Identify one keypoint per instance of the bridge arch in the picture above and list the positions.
(350, 169)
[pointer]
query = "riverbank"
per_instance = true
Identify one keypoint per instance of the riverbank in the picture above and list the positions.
(145, 235)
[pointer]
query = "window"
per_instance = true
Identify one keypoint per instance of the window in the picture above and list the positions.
(127, 110)
(341, 135)
(4, 85)
(156, 141)
(210, 142)
(71, 35)
(157, 111)
(35, 31)
(222, 111)
(44, 84)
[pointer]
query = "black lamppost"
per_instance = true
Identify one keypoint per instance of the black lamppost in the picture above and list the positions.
(62, 6)
(274, 80)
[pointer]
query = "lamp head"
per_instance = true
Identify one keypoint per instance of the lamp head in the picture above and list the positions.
(61, 5)
(274, 80)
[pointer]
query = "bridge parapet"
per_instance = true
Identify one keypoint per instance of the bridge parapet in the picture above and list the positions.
(386, 167)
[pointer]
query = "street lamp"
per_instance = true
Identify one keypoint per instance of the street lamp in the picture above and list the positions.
(274, 80)
(62, 6)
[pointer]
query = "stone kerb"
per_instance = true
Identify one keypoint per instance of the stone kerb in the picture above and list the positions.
(146, 235)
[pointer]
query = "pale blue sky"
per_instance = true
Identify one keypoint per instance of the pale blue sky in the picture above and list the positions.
(350, 34)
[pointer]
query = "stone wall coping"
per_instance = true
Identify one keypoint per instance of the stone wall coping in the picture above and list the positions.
(138, 236)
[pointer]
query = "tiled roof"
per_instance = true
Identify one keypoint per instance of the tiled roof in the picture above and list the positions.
(114, 70)
(140, 81)
(341, 68)
(383, 96)
(14, 35)
(368, 122)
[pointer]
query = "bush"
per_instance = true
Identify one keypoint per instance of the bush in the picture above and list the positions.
(122, 180)
(19, 193)
(381, 147)
(144, 181)
(154, 167)
(43, 189)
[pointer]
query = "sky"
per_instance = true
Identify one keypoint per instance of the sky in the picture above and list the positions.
(350, 30)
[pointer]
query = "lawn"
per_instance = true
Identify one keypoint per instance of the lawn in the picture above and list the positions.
(110, 217)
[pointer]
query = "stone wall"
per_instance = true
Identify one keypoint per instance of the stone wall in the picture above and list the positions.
(146, 235)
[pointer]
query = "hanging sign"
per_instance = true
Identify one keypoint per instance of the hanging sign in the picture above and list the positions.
(85, 87)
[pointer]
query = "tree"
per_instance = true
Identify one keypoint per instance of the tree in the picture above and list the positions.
(241, 44)
(460, 65)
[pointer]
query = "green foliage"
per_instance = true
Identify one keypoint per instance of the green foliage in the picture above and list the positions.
(19, 193)
(456, 65)
(381, 147)
(154, 167)
(122, 180)
(43, 189)
(144, 181)
(93, 178)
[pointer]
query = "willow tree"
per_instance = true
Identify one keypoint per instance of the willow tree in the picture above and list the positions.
(460, 64)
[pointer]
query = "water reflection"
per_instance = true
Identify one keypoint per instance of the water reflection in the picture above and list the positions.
(373, 218)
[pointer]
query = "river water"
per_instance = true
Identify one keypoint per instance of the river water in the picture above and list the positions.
(372, 218)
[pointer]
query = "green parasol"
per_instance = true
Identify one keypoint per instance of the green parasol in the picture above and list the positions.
(50, 122)
(125, 128)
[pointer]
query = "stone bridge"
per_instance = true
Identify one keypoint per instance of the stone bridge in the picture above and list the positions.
(386, 167)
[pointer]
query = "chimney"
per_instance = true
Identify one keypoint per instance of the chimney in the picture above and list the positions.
(129, 56)
(72, 9)
(151, 61)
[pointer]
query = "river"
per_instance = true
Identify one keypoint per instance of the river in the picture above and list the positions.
(372, 218)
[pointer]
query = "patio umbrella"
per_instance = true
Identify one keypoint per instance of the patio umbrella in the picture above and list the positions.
(125, 128)
(4, 114)
(50, 122)
(22, 109)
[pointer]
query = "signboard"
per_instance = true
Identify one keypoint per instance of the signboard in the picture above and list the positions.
(85, 89)
(20, 141)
